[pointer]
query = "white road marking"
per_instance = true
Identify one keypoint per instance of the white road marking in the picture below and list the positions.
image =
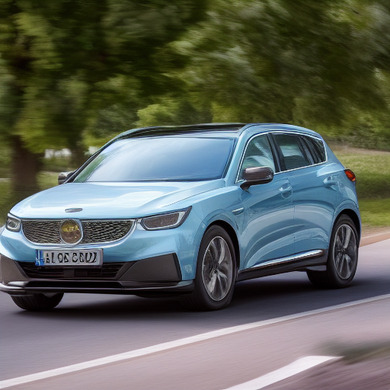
(176, 343)
(285, 372)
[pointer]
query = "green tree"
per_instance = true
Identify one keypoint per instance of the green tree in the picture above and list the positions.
(68, 66)
(314, 63)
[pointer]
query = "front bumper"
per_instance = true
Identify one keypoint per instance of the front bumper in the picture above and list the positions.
(42, 287)
(158, 274)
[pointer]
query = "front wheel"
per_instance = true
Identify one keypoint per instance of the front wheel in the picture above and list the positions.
(38, 302)
(342, 258)
(215, 272)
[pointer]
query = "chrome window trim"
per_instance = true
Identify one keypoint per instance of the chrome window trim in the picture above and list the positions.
(237, 181)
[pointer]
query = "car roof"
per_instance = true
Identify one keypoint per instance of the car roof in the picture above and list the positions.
(230, 130)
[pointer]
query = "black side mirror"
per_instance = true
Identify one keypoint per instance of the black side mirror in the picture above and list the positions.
(64, 176)
(256, 175)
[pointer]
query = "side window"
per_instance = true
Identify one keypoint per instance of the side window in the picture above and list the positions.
(258, 154)
(292, 152)
(317, 148)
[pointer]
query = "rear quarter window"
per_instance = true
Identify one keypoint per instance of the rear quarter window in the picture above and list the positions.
(317, 149)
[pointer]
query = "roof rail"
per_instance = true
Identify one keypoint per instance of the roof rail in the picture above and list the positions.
(155, 130)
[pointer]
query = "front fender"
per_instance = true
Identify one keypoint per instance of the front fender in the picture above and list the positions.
(204, 219)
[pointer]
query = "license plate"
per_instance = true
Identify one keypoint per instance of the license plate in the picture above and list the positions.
(69, 258)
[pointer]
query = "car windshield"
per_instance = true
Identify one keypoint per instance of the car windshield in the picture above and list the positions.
(159, 159)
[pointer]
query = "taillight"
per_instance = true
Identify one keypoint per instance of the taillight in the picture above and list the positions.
(351, 176)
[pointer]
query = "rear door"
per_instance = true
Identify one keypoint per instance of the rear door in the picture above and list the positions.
(315, 192)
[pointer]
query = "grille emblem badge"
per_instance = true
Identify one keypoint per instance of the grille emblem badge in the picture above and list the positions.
(71, 232)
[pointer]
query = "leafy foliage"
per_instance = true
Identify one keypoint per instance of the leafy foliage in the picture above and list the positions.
(73, 67)
(311, 63)
(74, 72)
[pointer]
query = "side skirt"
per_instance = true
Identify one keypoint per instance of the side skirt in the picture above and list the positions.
(298, 262)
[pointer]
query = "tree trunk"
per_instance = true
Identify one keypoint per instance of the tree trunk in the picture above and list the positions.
(78, 155)
(25, 167)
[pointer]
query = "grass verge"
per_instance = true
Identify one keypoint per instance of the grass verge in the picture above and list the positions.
(360, 352)
(372, 169)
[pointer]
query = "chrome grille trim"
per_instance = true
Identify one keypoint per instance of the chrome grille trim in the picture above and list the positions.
(99, 231)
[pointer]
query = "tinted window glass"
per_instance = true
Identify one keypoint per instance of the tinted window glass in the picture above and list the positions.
(159, 159)
(292, 151)
(319, 148)
(258, 154)
(311, 151)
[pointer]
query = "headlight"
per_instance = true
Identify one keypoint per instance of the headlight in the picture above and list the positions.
(165, 221)
(13, 223)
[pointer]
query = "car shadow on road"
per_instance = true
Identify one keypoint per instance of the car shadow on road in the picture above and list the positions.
(254, 300)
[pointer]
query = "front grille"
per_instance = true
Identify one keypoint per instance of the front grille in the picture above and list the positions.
(107, 271)
(105, 231)
(94, 231)
(42, 232)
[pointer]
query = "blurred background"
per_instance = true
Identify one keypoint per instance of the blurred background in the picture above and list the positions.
(74, 73)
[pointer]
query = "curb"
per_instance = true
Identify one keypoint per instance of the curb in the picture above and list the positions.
(372, 239)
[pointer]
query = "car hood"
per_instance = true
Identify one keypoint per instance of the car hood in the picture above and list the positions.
(111, 200)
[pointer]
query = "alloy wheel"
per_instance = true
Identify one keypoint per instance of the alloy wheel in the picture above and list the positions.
(217, 269)
(345, 251)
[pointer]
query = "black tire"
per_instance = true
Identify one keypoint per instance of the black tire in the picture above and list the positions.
(216, 271)
(38, 302)
(342, 257)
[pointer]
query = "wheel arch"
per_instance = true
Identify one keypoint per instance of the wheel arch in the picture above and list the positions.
(355, 218)
(232, 234)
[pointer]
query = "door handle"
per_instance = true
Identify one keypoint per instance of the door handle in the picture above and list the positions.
(286, 190)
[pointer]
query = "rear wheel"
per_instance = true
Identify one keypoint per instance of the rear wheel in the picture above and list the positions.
(216, 271)
(38, 302)
(342, 258)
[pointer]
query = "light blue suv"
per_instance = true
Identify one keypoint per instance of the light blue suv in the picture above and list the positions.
(189, 210)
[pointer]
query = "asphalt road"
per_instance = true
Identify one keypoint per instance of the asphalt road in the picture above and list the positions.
(86, 327)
